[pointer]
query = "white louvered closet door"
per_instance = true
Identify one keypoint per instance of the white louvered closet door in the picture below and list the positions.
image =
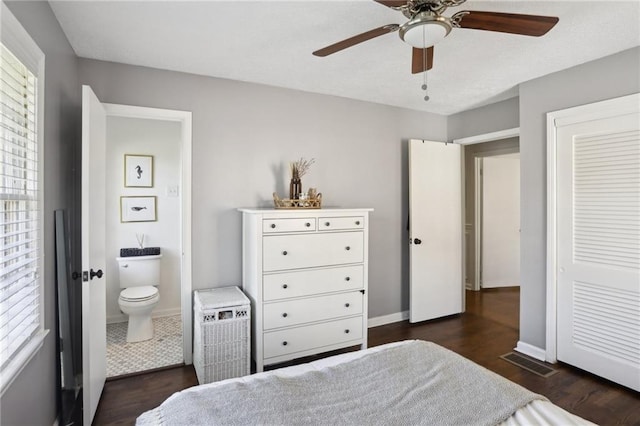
(598, 246)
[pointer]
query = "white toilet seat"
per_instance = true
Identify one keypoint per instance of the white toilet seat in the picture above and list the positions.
(138, 294)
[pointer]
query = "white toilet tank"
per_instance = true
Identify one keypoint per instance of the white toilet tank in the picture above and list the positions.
(137, 271)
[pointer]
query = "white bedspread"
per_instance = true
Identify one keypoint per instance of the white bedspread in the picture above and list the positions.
(413, 382)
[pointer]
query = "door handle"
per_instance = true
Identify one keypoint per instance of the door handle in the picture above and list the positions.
(93, 274)
(417, 241)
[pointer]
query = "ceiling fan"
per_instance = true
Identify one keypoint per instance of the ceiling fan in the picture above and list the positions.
(427, 26)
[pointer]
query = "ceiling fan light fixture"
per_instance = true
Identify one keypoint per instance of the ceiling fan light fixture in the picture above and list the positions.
(425, 30)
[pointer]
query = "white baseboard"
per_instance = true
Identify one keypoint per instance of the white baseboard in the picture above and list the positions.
(155, 314)
(388, 319)
(530, 350)
(116, 319)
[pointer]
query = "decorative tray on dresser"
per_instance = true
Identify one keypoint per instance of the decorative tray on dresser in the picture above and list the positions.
(306, 275)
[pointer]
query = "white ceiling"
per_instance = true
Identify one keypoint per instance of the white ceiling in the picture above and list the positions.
(270, 42)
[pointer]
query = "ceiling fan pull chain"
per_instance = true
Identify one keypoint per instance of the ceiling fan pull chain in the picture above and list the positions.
(424, 67)
(424, 86)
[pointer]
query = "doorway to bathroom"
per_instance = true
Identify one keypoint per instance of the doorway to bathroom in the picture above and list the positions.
(94, 236)
(157, 144)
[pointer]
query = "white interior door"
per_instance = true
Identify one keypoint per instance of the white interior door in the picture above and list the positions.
(598, 245)
(501, 221)
(94, 320)
(435, 212)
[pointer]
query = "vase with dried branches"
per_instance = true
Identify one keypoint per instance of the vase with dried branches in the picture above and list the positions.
(298, 169)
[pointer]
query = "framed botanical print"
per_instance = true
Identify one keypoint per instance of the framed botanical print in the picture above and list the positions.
(138, 171)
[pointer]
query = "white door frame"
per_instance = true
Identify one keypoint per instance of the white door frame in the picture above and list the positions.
(489, 137)
(184, 118)
(578, 114)
(485, 137)
(477, 223)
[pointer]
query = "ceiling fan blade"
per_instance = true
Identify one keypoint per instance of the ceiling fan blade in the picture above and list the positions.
(530, 25)
(418, 62)
(392, 3)
(352, 41)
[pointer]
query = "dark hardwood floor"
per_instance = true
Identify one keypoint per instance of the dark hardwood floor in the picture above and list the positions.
(488, 329)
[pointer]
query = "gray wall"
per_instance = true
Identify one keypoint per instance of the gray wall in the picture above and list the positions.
(31, 398)
(490, 118)
(244, 136)
(606, 78)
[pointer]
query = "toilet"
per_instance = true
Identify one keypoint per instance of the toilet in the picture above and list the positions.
(139, 278)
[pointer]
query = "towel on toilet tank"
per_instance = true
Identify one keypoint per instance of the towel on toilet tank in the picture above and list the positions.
(147, 251)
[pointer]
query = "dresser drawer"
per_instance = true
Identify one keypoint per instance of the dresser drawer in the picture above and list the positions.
(301, 311)
(282, 252)
(292, 340)
(340, 223)
(270, 226)
(285, 285)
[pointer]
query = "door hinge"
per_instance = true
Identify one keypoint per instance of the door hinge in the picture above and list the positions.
(85, 276)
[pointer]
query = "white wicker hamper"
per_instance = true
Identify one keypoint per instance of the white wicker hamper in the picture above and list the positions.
(222, 334)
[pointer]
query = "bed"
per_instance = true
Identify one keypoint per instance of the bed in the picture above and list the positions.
(402, 383)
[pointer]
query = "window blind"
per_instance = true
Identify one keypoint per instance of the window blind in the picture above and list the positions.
(19, 213)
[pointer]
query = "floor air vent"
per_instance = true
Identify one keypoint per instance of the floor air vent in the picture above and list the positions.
(528, 364)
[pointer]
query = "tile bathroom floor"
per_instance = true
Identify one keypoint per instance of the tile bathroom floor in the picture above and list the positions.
(165, 348)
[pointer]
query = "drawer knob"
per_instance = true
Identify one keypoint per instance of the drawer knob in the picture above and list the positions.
(327, 224)
(347, 248)
(284, 343)
(285, 286)
(347, 279)
(284, 315)
(357, 222)
(273, 225)
(346, 305)
(284, 253)
(307, 224)
(347, 331)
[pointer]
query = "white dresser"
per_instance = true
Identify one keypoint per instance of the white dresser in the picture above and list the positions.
(305, 272)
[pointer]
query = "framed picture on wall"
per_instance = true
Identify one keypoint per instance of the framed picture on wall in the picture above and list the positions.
(138, 171)
(138, 209)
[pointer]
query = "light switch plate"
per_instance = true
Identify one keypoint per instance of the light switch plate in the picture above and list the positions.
(172, 191)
